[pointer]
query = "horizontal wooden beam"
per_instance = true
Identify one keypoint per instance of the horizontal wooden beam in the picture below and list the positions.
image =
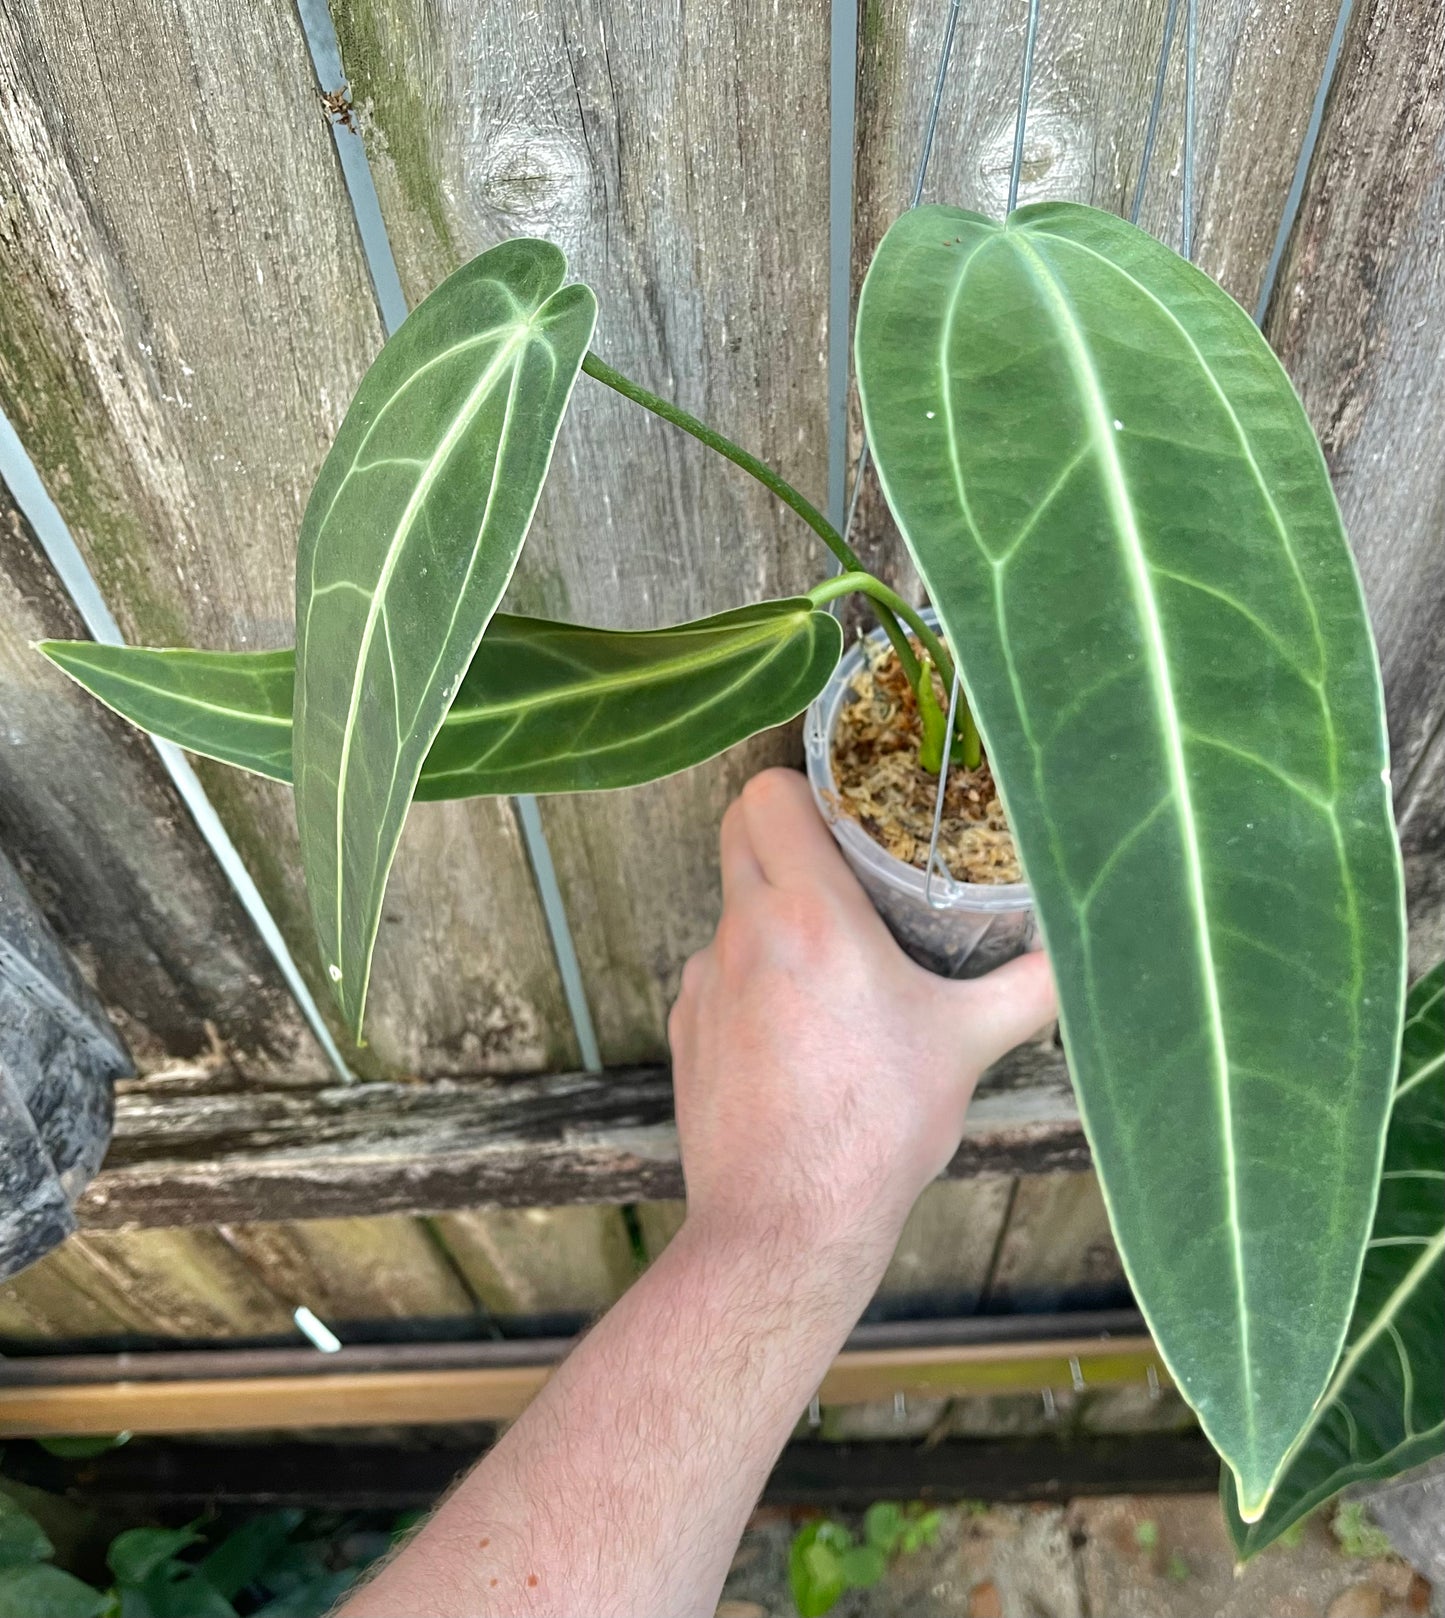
(191, 1156)
(257, 1397)
(164, 1475)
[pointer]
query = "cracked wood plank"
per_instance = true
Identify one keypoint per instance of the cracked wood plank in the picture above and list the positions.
(1358, 318)
(187, 314)
(522, 1142)
(663, 149)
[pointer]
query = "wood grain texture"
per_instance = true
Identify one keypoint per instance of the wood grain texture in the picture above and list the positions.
(354, 1269)
(186, 316)
(1056, 1251)
(941, 1264)
(151, 1283)
(550, 1267)
(1359, 319)
(678, 157)
(110, 853)
(1258, 69)
(1422, 840)
(45, 1302)
(369, 1149)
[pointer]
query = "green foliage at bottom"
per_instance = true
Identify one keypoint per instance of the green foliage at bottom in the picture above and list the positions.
(826, 1559)
(280, 1564)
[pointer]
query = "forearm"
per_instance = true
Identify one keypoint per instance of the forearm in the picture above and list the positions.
(625, 1486)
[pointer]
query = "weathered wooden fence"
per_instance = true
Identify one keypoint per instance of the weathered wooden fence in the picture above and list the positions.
(185, 310)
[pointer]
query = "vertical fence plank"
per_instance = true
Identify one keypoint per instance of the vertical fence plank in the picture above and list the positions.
(678, 157)
(43, 1302)
(187, 313)
(1093, 79)
(942, 1262)
(541, 1265)
(354, 1269)
(1057, 1251)
(154, 1283)
(111, 855)
(1359, 319)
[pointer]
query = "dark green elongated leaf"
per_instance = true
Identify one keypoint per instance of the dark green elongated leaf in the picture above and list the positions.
(544, 707)
(1125, 522)
(22, 1539)
(137, 1553)
(1385, 1408)
(409, 539)
(231, 706)
(42, 1591)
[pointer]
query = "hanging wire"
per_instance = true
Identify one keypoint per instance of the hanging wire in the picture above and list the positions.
(1026, 84)
(930, 129)
(1026, 81)
(1191, 67)
(1156, 107)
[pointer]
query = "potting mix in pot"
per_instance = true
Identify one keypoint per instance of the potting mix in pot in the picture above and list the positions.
(1172, 724)
(882, 783)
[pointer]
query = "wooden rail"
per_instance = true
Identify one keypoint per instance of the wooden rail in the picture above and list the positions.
(325, 1153)
(243, 1390)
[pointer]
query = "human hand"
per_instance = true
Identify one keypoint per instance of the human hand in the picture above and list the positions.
(821, 1075)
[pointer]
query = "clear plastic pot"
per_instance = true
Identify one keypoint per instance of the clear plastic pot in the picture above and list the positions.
(970, 927)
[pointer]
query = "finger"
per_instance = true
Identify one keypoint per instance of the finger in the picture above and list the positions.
(1008, 1006)
(793, 846)
(740, 868)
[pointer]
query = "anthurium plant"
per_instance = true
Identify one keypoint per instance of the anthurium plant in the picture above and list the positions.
(1125, 524)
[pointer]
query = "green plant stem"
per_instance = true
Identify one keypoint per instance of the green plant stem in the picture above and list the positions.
(880, 595)
(602, 372)
(888, 604)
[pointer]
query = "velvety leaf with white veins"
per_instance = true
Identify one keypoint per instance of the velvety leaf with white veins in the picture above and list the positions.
(409, 540)
(1124, 520)
(544, 707)
(1385, 1409)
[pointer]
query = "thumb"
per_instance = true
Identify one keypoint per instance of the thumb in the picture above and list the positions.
(1008, 1006)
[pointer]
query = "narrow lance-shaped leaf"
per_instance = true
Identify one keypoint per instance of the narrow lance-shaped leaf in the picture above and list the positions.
(409, 540)
(544, 707)
(1124, 520)
(1385, 1409)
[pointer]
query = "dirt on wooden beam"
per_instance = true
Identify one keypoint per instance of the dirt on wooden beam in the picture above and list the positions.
(546, 1140)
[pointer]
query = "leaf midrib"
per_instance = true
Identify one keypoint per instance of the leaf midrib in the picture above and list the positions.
(653, 672)
(782, 626)
(435, 462)
(1120, 501)
(633, 738)
(1320, 685)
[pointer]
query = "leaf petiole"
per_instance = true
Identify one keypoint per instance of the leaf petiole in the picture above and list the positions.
(936, 656)
(600, 371)
(889, 606)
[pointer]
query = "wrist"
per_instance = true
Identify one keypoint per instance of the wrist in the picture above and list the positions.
(798, 1259)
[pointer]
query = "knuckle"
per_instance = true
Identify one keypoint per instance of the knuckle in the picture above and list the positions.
(769, 787)
(675, 1019)
(691, 981)
(799, 924)
(735, 943)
